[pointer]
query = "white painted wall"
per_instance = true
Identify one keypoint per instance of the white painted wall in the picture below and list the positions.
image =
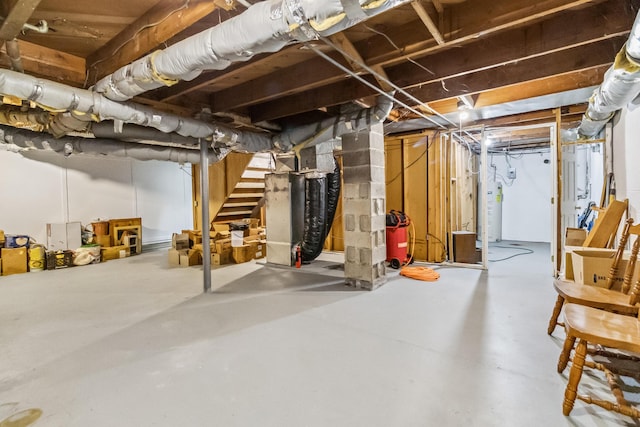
(40, 188)
(626, 153)
(526, 209)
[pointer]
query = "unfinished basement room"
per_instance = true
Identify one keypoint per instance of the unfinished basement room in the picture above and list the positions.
(290, 213)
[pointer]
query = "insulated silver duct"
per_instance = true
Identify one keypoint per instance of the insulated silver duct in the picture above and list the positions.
(621, 85)
(66, 146)
(54, 96)
(264, 27)
(334, 127)
(78, 107)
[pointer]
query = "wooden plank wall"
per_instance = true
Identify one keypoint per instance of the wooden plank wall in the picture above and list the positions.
(419, 169)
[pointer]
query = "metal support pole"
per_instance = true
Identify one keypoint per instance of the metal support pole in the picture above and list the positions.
(204, 198)
(484, 177)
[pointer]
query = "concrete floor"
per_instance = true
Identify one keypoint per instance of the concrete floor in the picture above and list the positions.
(134, 343)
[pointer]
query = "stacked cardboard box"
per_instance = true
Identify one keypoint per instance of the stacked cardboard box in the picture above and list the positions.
(187, 247)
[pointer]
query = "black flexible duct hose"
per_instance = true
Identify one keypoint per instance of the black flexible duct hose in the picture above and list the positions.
(321, 202)
(315, 218)
(333, 196)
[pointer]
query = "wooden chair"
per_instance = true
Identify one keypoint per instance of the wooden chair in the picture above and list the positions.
(598, 327)
(601, 298)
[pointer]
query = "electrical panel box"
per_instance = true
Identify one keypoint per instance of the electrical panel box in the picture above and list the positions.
(511, 173)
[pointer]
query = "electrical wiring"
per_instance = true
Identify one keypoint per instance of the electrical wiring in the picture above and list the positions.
(527, 251)
(410, 164)
(185, 5)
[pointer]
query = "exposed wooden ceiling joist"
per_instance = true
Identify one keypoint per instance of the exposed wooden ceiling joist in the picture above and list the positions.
(499, 49)
(158, 25)
(16, 17)
(470, 24)
(567, 63)
(354, 58)
(428, 22)
(42, 61)
(375, 51)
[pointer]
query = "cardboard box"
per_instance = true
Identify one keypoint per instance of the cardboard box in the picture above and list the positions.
(593, 267)
(115, 252)
(174, 258)
(223, 245)
(261, 249)
(64, 236)
(221, 258)
(190, 257)
(220, 226)
(180, 241)
(244, 253)
(14, 261)
(568, 259)
(574, 236)
(59, 259)
(195, 237)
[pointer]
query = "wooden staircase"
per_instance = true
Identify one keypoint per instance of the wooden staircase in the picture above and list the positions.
(248, 193)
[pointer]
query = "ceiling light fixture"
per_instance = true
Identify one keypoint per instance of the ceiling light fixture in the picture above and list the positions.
(464, 110)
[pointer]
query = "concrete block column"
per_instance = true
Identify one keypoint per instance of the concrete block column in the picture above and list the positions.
(364, 208)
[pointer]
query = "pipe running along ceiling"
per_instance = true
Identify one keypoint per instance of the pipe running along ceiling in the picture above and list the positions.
(621, 86)
(266, 26)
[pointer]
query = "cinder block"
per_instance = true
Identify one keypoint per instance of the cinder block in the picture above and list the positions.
(363, 157)
(374, 190)
(366, 256)
(378, 222)
(351, 191)
(360, 174)
(378, 254)
(349, 222)
(359, 239)
(365, 223)
(351, 254)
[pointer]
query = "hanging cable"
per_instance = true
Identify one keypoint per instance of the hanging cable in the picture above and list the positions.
(390, 83)
(371, 85)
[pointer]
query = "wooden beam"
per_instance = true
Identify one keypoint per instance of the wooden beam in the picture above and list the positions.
(351, 54)
(17, 16)
(541, 38)
(288, 81)
(492, 51)
(428, 22)
(570, 60)
(438, 5)
(485, 18)
(568, 63)
(53, 64)
(376, 51)
(161, 23)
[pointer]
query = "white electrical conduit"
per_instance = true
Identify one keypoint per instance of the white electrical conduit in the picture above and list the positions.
(621, 86)
(27, 140)
(266, 26)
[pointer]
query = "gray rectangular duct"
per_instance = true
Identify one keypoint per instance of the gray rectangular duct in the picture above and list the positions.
(284, 194)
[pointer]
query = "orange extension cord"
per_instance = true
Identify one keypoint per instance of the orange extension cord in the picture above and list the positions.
(425, 274)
